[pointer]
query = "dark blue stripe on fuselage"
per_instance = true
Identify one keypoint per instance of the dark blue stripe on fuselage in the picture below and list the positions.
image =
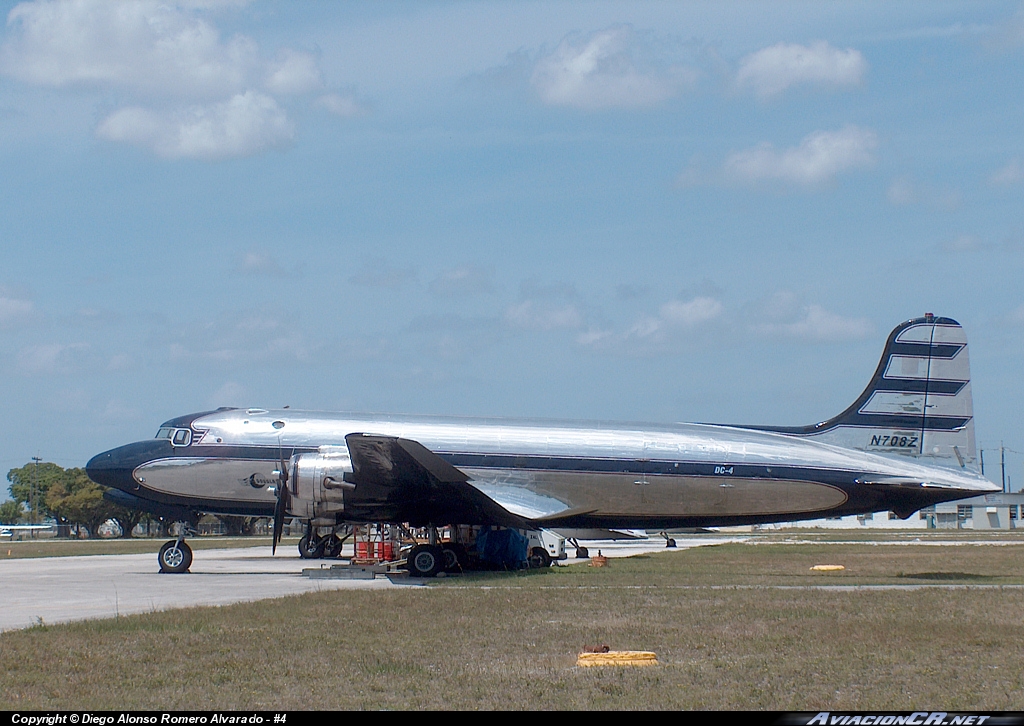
(635, 467)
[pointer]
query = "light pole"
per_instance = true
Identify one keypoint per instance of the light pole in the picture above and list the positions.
(35, 489)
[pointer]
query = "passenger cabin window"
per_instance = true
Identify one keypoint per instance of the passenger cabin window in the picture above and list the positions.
(182, 437)
(164, 433)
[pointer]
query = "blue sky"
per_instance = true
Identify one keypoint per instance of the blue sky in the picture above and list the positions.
(627, 211)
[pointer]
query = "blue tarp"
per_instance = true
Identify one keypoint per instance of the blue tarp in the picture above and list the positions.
(503, 547)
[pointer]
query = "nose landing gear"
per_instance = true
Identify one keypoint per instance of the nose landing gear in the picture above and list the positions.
(175, 556)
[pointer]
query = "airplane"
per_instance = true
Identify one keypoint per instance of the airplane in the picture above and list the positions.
(7, 531)
(907, 442)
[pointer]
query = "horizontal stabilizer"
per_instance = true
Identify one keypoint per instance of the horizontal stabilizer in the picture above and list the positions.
(592, 533)
(898, 481)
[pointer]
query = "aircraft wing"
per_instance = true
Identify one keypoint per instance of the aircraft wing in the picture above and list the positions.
(432, 490)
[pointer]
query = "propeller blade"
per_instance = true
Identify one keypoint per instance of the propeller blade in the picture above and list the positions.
(283, 501)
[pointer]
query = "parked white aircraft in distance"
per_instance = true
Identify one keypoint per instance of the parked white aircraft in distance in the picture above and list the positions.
(7, 531)
(907, 442)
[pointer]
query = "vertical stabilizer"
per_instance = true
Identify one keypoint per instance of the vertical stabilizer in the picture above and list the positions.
(918, 402)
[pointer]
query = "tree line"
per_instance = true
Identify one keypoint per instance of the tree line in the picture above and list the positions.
(45, 490)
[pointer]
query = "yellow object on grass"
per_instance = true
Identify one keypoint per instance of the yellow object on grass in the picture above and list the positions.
(618, 658)
(828, 568)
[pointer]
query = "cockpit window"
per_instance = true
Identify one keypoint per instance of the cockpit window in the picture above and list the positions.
(164, 433)
(181, 437)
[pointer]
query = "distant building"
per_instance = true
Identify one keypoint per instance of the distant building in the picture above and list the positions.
(991, 511)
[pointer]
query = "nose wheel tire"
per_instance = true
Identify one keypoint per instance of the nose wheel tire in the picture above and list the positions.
(175, 557)
(425, 561)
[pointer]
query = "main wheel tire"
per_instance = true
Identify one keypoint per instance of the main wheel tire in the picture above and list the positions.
(539, 557)
(582, 553)
(425, 561)
(311, 547)
(670, 543)
(332, 546)
(455, 558)
(174, 557)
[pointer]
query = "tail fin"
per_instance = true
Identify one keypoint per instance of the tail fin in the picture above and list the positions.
(918, 402)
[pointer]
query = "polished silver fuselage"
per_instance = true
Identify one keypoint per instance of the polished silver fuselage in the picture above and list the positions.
(606, 474)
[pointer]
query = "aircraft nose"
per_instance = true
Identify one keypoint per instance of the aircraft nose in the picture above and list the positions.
(114, 468)
(103, 470)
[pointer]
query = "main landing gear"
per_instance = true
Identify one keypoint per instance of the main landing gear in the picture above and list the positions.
(426, 560)
(314, 547)
(436, 557)
(582, 553)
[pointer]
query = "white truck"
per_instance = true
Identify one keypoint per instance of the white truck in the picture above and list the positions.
(545, 547)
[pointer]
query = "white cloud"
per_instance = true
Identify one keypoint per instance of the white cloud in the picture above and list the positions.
(694, 312)
(772, 70)
(14, 311)
(818, 159)
(294, 72)
(119, 362)
(462, 281)
(230, 394)
(965, 243)
(676, 316)
(50, 357)
(343, 106)
(819, 324)
(782, 315)
(116, 410)
(544, 315)
(1012, 173)
(157, 48)
(904, 191)
(247, 338)
(255, 262)
(1008, 34)
(453, 337)
(594, 337)
(246, 124)
(901, 192)
(609, 68)
(186, 90)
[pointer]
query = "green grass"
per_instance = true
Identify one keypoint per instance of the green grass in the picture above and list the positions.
(725, 635)
(75, 547)
(756, 563)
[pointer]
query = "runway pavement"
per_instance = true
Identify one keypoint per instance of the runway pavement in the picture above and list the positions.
(60, 589)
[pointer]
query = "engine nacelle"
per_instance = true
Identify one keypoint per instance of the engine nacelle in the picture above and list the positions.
(318, 483)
